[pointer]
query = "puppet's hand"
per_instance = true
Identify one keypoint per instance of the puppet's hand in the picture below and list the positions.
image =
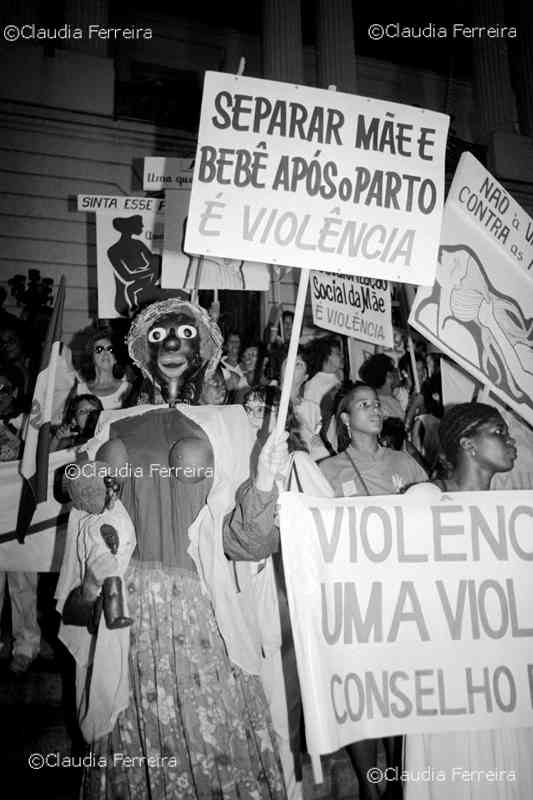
(114, 604)
(110, 536)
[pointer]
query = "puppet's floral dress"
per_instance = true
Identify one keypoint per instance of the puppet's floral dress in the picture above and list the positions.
(196, 726)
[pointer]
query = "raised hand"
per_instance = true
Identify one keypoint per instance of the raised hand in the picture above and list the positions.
(273, 461)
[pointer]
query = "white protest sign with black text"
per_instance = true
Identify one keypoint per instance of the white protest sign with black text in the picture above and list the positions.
(410, 613)
(129, 240)
(316, 179)
(167, 173)
(480, 310)
(180, 270)
(353, 306)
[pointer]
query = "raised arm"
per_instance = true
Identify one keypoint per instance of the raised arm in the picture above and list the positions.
(251, 530)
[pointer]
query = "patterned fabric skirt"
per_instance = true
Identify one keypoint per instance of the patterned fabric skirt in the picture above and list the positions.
(196, 726)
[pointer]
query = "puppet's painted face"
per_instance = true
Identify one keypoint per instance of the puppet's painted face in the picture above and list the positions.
(174, 344)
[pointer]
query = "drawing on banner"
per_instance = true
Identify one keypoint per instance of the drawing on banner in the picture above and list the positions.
(128, 261)
(136, 268)
(308, 178)
(181, 270)
(495, 335)
(479, 311)
(128, 265)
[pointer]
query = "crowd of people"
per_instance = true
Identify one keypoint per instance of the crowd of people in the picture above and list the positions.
(182, 665)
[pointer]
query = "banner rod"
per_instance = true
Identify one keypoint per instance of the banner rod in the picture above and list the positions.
(404, 311)
(293, 350)
(293, 344)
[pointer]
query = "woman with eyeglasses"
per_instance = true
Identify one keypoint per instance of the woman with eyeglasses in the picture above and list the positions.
(102, 372)
(363, 467)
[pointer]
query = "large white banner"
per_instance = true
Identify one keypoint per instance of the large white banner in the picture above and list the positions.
(410, 613)
(129, 240)
(312, 178)
(356, 307)
(43, 546)
(182, 270)
(480, 309)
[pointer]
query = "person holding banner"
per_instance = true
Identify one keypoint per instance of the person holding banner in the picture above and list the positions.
(22, 586)
(363, 467)
(476, 441)
(251, 533)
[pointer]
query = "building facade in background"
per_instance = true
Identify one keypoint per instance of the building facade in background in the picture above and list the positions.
(79, 113)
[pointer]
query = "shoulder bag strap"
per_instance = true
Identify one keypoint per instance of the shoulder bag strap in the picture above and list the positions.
(356, 470)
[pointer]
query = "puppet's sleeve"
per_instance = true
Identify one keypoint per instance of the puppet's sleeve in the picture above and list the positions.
(251, 531)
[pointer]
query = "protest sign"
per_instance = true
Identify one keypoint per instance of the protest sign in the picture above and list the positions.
(352, 306)
(480, 309)
(181, 270)
(129, 239)
(398, 632)
(317, 179)
(167, 173)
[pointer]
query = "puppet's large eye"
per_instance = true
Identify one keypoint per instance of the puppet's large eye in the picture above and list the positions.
(157, 335)
(186, 332)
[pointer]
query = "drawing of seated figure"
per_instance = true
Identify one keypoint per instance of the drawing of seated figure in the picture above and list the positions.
(494, 333)
(137, 270)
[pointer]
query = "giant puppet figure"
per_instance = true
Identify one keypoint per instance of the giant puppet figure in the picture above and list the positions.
(178, 690)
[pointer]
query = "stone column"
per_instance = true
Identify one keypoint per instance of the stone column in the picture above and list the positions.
(524, 82)
(336, 45)
(282, 40)
(492, 76)
(19, 12)
(82, 14)
(282, 61)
